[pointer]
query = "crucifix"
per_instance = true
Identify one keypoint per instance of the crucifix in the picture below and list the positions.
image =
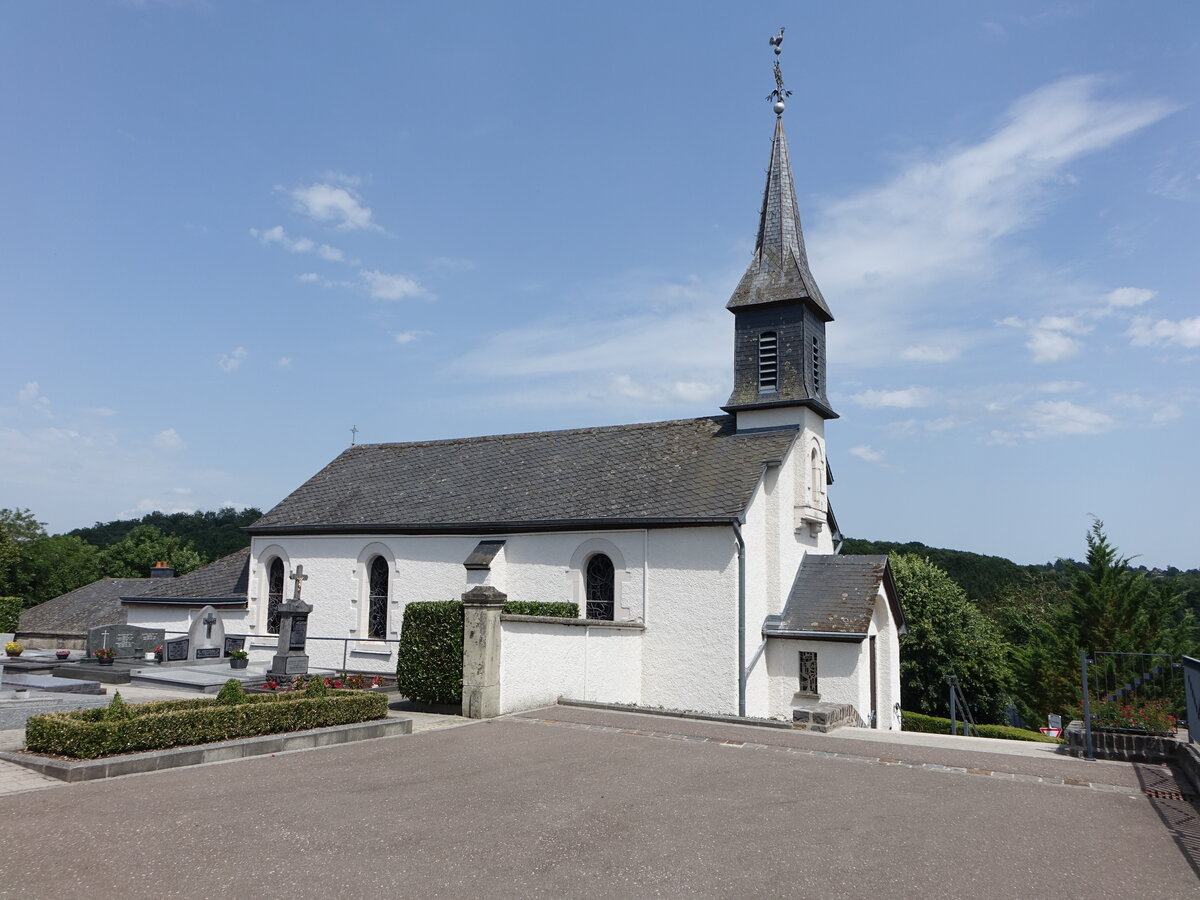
(209, 621)
(298, 576)
(104, 634)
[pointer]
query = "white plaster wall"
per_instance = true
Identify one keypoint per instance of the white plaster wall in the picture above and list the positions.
(887, 657)
(842, 673)
(530, 567)
(540, 662)
(689, 650)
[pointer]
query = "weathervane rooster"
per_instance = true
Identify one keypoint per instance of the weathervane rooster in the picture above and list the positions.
(780, 91)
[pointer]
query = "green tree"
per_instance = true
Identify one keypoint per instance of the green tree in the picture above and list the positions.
(947, 635)
(18, 530)
(55, 564)
(138, 551)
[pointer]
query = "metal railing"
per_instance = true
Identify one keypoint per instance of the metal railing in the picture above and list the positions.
(1134, 692)
(959, 701)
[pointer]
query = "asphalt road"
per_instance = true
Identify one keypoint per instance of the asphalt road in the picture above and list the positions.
(526, 809)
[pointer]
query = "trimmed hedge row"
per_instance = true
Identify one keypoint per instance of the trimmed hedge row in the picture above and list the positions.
(934, 725)
(128, 728)
(430, 659)
(10, 613)
(534, 608)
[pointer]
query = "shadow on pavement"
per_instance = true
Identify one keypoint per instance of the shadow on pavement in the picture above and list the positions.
(1178, 811)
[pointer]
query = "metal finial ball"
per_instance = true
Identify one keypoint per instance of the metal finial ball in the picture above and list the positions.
(778, 107)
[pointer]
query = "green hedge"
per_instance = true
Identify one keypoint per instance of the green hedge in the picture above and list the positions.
(430, 659)
(534, 608)
(934, 725)
(10, 613)
(128, 728)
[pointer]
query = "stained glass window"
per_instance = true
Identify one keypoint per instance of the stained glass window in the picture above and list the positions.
(808, 672)
(377, 607)
(599, 580)
(274, 595)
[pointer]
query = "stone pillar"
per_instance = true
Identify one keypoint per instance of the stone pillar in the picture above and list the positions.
(481, 652)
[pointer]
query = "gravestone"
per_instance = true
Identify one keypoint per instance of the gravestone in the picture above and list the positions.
(290, 659)
(205, 640)
(126, 641)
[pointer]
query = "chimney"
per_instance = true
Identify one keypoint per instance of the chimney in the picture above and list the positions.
(162, 570)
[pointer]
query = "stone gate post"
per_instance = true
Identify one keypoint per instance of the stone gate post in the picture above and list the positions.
(481, 652)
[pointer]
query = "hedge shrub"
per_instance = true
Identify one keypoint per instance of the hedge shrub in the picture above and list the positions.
(934, 725)
(128, 728)
(430, 659)
(10, 614)
(534, 608)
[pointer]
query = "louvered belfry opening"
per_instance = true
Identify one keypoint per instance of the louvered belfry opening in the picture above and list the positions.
(816, 366)
(768, 361)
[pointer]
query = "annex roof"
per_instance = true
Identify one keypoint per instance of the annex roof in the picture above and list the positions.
(74, 612)
(834, 596)
(656, 474)
(223, 582)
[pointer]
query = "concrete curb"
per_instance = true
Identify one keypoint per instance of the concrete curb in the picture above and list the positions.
(675, 713)
(156, 760)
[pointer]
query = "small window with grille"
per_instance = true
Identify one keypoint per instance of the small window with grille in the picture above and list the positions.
(768, 361)
(808, 672)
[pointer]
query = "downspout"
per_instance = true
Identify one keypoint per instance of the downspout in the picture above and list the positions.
(741, 555)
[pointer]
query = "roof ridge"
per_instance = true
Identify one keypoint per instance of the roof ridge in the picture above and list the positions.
(591, 429)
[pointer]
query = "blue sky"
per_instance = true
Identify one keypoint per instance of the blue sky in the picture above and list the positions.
(233, 230)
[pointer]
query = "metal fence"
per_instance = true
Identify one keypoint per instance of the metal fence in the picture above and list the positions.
(1131, 692)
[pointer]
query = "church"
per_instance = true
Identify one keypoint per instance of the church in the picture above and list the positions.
(702, 554)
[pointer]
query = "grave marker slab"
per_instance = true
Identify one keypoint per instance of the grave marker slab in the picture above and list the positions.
(126, 641)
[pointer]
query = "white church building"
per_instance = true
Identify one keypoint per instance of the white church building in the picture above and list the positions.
(702, 553)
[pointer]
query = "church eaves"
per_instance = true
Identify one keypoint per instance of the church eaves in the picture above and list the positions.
(779, 271)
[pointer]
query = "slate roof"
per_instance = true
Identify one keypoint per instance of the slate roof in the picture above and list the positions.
(660, 473)
(779, 269)
(74, 612)
(835, 595)
(223, 581)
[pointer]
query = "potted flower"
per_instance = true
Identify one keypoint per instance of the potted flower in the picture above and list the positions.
(12, 648)
(238, 659)
(158, 653)
(62, 654)
(104, 656)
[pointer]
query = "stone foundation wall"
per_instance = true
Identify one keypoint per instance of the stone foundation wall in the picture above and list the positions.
(825, 717)
(1115, 745)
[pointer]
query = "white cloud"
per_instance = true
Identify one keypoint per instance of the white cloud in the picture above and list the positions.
(1052, 418)
(384, 286)
(308, 278)
(867, 452)
(31, 397)
(1129, 296)
(227, 362)
(284, 362)
(901, 399)
(280, 237)
(1059, 387)
(327, 203)
(407, 337)
(928, 353)
(1144, 332)
(1047, 346)
(452, 263)
(168, 439)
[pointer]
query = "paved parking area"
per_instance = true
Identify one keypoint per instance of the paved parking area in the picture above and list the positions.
(528, 808)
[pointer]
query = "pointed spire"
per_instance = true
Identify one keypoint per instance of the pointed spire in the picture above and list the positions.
(779, 269)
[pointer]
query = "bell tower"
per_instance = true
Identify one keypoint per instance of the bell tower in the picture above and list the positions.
(779, 374)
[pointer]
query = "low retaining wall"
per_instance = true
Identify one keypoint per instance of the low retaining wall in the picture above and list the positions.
(825, 717)
(1121, 746)
(544, 658)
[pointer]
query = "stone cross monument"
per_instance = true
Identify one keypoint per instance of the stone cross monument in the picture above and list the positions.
(290, 659)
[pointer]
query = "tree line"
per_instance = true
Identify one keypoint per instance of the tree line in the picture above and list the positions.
(1014, 637)
(37, 566)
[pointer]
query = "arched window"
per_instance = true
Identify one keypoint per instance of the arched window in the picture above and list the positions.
(274, 594)
(818, 477)
(768, 361)
(377, 604)
(599, 580)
